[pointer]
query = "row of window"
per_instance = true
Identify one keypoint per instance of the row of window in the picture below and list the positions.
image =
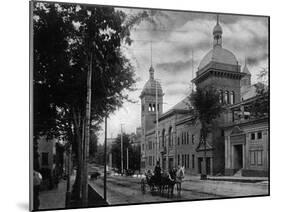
(256, 157)
(184, 160)
(184, 138)
(256, 135)
(151, 107)
(227, 97)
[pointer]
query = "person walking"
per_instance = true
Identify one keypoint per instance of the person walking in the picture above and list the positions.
(37, 179)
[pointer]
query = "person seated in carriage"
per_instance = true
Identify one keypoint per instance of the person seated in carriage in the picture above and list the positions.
(157, 171)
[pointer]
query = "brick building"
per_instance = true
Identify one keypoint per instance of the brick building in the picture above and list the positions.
(177, 142)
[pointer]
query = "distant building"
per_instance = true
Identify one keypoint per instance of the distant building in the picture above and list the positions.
(51, 160)
(173, 137)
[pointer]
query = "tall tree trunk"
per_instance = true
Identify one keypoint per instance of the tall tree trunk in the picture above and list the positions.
(78, 126)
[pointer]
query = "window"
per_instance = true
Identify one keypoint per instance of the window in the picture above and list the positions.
(187, 138)
(193, 161)
(182, 160)
(252, 136)
(142, 107)
(179, 160)
(45, 159)
(170, 137)
(149, 145)
(192, 139)
(153, 108)
(150, 161)
(187, 161)
(149, 108)
(182, 138)
(259, 135)
(259, 157)
(178, 140)
(232, 97)
(252, 158)
(158, 107)
(221, 96)
(163, 138)
(226, 97)
(222, 133)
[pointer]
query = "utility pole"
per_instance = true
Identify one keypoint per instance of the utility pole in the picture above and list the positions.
(192, 84)
(157, 136)
(105, 154)
(127, 159)
(121, 150)
(87, 135)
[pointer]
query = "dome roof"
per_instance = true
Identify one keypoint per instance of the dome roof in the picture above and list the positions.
(150, 87)
(220, 55)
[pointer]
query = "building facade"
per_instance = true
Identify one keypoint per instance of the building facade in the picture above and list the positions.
(173, 137)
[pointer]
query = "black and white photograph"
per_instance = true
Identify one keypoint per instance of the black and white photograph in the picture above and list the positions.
(138, 105)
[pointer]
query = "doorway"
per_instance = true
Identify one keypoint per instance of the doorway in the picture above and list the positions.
(238, 156)
(201, 165)
(171, 163)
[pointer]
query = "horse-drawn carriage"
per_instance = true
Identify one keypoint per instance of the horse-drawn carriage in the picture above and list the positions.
(165, 182)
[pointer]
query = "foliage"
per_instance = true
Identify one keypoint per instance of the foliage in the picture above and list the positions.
(260, 105)
(206, 105)
(134, 153)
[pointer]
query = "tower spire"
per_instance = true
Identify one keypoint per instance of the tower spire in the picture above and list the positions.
(217, 33)
(151, 70)
(151, 52)
(245, 69)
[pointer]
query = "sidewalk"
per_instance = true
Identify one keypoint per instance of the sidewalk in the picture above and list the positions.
(55, 198)
(227, 186)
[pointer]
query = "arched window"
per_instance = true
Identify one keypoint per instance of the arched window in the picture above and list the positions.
(170, 137)
(163, 138)
(187, 138)
(221, 96)
(149, 107)
(232, 97)
(226, 97)
(153, 108)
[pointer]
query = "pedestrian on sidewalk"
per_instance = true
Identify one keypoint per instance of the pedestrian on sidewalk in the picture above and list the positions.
(37, 179)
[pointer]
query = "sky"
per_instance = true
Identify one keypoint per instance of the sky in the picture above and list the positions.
(168, 46)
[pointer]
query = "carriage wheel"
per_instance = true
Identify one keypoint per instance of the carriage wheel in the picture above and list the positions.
(143, 186)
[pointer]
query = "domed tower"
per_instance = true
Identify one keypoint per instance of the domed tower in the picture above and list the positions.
(151, 102)
(219, 68)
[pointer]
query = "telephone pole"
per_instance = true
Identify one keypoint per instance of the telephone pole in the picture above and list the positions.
(127, 159)
(105, 154)
(121, 150)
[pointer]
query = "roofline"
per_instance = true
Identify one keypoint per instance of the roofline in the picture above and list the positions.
(246, 101)
(172, 112)
(242, 123)
(240, 74)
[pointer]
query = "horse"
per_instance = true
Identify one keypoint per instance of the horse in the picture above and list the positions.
(167, 183)
(179, 178)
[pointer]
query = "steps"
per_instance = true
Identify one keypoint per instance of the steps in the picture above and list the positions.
(238, 173)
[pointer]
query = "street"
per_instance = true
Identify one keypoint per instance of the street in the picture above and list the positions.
(124, 190)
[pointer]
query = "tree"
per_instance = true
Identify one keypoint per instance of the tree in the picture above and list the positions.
(260, 105)
(64, 36)
(206, 107)
(134, 153)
